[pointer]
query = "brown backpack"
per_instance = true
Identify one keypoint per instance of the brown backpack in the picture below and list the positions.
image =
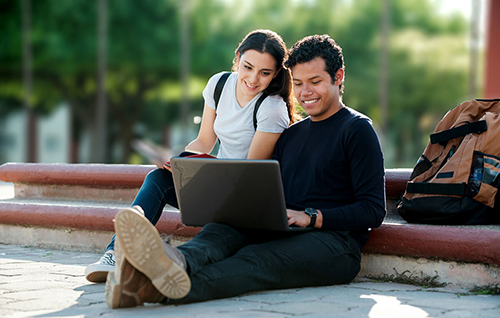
(456, 179)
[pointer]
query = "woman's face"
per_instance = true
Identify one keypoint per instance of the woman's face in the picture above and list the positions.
(255, 72)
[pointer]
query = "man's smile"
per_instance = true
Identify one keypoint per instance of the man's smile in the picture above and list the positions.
(311, 101)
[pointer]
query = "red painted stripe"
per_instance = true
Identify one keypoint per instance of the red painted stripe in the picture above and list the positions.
(120, 176)
(81, 218)
(444, 242)
(395, 182)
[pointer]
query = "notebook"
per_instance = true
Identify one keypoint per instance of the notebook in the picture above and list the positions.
(240, 193)
(158, 155)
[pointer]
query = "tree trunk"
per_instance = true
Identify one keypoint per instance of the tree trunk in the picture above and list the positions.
(101, 133)
(30, 122)
(185, 66)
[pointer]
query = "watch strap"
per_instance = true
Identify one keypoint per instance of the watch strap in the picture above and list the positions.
(313, 213)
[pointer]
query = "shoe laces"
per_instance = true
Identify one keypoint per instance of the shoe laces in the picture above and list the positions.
(108, 259)
(167, 238)
(172, 251)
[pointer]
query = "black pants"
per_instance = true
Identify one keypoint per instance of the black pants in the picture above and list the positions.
(226, 262)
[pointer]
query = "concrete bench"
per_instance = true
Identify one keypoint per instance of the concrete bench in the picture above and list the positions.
(72, 206)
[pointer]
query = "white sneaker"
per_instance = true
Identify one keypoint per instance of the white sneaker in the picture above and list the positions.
(98, 271)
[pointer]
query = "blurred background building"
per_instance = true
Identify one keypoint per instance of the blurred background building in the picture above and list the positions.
(79, 80)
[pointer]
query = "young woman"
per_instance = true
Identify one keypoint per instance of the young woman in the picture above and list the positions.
(258, 69)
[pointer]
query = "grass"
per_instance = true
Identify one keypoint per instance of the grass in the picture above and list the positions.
(410, 278)
(486, 290)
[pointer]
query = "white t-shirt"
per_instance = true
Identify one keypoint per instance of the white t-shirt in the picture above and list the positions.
(234, 125)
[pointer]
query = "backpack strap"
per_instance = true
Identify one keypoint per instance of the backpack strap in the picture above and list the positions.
(437, 188)
(256, 109)
(460, 131)
(218, 88)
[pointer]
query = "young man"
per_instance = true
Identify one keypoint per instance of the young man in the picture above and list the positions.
(333, 179)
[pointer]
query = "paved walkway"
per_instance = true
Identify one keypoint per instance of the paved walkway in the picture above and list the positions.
(49, 283)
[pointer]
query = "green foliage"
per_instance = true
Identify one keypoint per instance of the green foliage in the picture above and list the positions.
(493, 289)
(428, 59)
(407, 277)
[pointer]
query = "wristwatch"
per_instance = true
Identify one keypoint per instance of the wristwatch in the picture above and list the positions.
(313, 213)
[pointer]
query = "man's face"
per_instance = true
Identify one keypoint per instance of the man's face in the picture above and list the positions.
(315, 90)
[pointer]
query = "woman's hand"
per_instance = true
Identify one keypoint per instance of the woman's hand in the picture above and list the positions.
(162, 166)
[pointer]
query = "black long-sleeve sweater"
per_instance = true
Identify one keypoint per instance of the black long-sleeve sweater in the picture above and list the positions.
(335, 165)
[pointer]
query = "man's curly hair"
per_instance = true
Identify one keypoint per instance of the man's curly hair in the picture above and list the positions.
(314, 46)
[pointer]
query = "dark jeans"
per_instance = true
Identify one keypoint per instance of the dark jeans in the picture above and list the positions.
(156, 191)
(226, 262)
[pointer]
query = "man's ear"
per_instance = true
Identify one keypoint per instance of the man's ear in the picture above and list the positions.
(339, 77)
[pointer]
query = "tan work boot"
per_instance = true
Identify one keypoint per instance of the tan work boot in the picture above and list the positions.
(144, 249)
(128, 287)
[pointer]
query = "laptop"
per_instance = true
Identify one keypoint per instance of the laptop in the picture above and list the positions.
(236, 192)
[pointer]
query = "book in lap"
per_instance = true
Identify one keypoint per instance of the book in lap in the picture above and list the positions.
(237, 192)
(159, 156)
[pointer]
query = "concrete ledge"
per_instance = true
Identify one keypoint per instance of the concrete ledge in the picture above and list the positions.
(455, 274)
(65, 239)
(54, 179)
(441, 242)
(43, 214)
